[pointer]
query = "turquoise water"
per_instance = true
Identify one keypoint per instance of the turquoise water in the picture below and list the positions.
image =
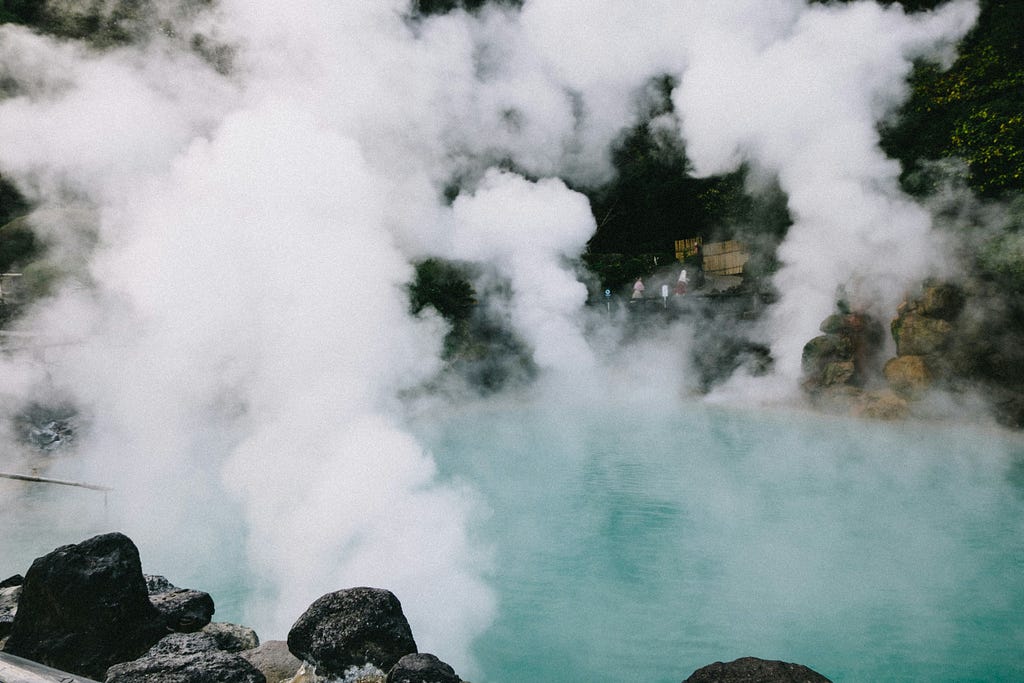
(640, 545)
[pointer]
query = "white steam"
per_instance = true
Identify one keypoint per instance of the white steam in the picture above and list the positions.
(238, 296)
(806, 106)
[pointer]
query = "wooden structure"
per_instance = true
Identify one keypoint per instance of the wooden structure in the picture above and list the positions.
(720, 258)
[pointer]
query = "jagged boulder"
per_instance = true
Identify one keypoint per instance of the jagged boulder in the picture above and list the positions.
(85, 607)
(274, 660)
(754, 670)
(186, 658)
(421, 668)
(352, 627)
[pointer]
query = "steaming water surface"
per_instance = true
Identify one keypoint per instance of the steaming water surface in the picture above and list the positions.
(639, 544)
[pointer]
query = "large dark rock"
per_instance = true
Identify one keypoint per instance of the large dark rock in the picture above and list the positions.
(754, 670)
(186, 658)
(421, 668)
(85, 607)
(352, 627)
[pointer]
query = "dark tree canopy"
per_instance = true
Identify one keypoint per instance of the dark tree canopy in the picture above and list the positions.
(974, 111)
(425, 7)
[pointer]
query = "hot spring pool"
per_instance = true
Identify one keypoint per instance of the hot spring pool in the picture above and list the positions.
(640, 543)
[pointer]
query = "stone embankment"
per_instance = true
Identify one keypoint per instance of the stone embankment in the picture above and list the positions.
(88, 609)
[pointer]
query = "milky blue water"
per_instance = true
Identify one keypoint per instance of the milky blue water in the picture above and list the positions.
(640, 544)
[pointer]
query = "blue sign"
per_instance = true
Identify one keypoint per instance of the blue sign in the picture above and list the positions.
(607, 294)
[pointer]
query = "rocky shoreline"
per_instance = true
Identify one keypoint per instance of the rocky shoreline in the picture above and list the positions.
(87, 609)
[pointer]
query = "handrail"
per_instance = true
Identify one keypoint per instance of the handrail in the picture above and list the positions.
(47, 480)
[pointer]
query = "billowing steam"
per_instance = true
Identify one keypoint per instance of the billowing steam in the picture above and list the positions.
(237, 240)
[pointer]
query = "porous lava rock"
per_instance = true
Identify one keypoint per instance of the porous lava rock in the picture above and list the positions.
(84, 607)
(754, 670)
(186, 658)
(421, 668)
(352, 627)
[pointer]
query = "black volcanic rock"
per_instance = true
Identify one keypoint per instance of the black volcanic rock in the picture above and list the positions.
(85, 607)
(754, 670)
(352, 627)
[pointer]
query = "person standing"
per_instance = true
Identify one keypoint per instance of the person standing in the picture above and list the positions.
(681, 282)
(638, 288)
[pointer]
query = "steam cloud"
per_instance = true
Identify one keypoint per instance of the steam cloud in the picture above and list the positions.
(239, 243)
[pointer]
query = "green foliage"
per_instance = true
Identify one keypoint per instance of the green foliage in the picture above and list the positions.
(18, 245)
(974, 111)
(1000, 257)
(20, 11)
(443, 286)
(617, 272)
(653, 200)
(12, 204)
